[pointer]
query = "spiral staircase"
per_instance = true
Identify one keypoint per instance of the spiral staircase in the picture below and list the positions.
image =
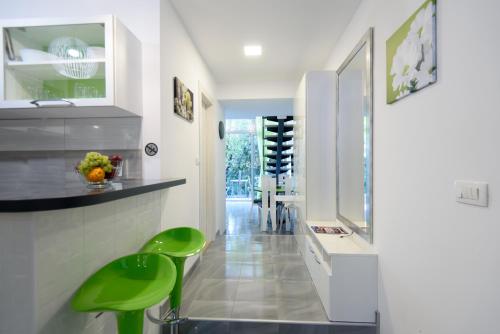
(278, 145)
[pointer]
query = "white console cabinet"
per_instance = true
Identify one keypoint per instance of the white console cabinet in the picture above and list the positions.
(344, 271)
(64, 68)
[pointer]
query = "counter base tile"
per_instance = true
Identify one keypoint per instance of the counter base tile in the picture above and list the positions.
(51, 253)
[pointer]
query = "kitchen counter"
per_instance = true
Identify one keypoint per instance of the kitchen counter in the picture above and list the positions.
(42, 196)
(55, 235)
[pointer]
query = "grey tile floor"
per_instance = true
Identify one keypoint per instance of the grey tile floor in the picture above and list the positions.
(247, 274)
(262, 327)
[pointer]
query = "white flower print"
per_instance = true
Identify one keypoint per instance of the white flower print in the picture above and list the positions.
(413, 65)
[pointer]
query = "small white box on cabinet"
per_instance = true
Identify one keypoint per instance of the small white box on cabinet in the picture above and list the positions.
(79, 67)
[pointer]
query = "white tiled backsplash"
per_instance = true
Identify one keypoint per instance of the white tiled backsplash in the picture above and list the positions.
(67, 247)
(32, 135)
(41, 149)
(121, 133)
(103, 133)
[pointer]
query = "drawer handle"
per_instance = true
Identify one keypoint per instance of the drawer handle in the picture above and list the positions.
(52, 103)
(314, 255)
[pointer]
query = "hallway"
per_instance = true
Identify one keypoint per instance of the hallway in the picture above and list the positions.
(248, 274)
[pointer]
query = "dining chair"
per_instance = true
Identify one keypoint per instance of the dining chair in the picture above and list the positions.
(268, 202)
(286, 206)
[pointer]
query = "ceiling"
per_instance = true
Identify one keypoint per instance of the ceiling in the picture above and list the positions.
(252, 108)
(296, 35)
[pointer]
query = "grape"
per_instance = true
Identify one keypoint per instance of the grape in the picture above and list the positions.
(93, 160)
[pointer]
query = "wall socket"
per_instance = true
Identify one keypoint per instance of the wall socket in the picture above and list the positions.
(471, 192)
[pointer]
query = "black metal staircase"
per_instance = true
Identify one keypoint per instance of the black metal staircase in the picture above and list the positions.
(278, 145)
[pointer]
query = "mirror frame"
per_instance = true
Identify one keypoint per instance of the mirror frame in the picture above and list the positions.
(367, 40)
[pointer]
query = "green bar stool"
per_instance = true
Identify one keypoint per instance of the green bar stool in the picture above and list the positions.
(177, 243)
(127, 286)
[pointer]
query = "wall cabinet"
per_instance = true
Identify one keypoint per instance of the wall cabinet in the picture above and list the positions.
(64, 68)
(314, 149)
(314, 158)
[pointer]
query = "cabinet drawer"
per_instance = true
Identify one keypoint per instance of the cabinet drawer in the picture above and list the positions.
(320, 275)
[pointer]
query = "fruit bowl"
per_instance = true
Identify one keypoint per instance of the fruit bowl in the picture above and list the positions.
(96, 185)
(96, 170)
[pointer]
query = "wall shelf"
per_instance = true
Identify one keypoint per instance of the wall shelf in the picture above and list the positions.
(46, 71)
(55, 62)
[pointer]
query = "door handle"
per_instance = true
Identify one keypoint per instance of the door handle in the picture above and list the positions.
(52, 103)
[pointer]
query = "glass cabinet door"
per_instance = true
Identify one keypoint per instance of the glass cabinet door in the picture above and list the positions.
(54, 63)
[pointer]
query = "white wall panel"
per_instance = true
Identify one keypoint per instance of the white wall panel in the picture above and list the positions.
(444, 280)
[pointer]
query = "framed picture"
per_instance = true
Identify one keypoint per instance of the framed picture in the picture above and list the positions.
(183, 100)
(411, 54)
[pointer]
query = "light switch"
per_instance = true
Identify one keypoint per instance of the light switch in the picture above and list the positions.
(472, 192)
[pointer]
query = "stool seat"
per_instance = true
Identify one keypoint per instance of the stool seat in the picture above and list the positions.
(176, 242)
(127, 286)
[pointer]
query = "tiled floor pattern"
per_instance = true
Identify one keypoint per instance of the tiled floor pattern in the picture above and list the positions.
(248, 274)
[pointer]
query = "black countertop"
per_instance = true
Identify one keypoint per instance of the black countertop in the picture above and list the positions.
(26, 196)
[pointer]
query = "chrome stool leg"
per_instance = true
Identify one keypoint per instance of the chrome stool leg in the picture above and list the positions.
(172, 319)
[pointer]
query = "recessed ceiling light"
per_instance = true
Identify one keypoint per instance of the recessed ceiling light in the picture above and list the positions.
(253, 50)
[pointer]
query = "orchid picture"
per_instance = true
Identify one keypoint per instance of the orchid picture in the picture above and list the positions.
(411, 54)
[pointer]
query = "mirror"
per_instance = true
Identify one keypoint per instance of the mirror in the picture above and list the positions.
(354, 139)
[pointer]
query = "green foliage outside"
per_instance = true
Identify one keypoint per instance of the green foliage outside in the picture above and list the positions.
(238, 164)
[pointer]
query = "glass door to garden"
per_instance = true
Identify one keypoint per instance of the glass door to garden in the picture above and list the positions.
(242, 159)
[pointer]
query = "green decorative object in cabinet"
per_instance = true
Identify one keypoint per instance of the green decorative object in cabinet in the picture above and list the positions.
(75, 89)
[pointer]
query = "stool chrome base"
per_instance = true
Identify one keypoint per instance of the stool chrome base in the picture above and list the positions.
(171, 318)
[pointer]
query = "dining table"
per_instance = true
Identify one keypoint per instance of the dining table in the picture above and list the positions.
(279, 190)
(287, 202)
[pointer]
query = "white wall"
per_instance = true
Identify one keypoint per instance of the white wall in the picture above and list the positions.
(180, 141)
(438, 259)
(251, 108)
(262, 90)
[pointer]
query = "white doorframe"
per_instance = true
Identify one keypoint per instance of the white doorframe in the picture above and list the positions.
(207, 130)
